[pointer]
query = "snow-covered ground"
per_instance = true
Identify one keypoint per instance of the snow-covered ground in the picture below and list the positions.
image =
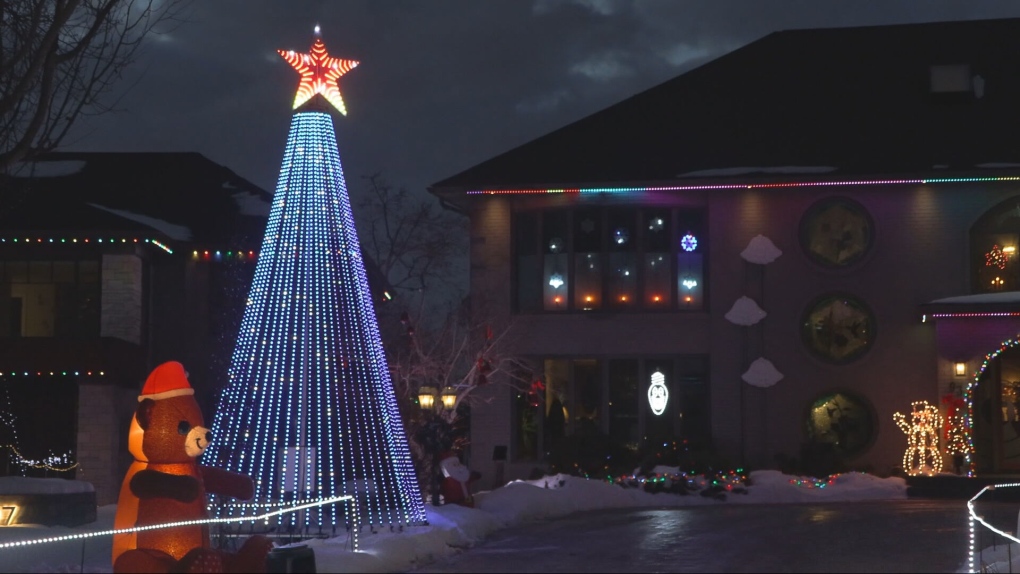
(453, 528)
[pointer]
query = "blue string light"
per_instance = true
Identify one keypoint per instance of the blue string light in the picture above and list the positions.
(309, 410)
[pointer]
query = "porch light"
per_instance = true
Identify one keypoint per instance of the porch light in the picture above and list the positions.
(427, 397)
(960, 369)
(449, 398)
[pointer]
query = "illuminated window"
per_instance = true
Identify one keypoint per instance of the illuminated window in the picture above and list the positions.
(657, 230)
(588, 259)
(690, 248)
(836, 232)
(840, 422)
(838, 328)
(555, 277)
(616, 258)
(993, 249)
(622, 274)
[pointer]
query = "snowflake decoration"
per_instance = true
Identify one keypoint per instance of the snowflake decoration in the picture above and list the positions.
(689, 242)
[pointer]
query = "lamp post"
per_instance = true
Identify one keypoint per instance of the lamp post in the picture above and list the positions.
(449, 398)
(427, 401)
(427, 397)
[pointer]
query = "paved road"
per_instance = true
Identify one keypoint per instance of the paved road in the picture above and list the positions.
(898, 536)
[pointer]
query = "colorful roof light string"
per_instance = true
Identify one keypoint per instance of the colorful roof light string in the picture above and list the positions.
(791, 184)
(83, 240)
(196, 254)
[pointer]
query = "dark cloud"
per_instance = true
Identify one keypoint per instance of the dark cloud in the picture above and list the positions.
(443, 84)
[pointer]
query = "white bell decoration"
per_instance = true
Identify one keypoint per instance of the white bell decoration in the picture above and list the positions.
(761, 250)
(745, 312)
(762, 373)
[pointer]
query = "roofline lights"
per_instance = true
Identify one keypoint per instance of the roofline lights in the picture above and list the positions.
(741, 186)
(998, 314)
(65, 240)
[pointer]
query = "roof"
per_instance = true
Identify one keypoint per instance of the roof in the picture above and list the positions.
(809, 104)
(175, 197)
(1000, 304)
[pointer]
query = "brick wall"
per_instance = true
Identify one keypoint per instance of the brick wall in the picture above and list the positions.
(104, 412)
(122, 298)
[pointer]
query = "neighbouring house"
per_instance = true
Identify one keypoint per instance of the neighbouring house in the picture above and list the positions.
(110, 264)
(767, 256)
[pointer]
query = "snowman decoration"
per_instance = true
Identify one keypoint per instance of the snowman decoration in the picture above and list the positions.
(922, 455)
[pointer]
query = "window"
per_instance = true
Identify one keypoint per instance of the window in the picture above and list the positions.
(841, 421)
(588, 396)
(526, 445)
(623, 402)
(838, 328)
(633, 400)
(588, 259)
(836, 233)
(621, 278)
(555, 280)
(993, 249)
(658, 259)
(616, 259)
(49, 298)
(528, 258)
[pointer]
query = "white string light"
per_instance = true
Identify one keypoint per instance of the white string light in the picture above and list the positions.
(309, 409)
(974, 517)
(265, 517)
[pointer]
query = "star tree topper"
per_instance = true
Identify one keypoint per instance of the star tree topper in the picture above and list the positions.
(319, 74)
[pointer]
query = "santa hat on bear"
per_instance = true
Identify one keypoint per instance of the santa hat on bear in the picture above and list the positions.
(165, 381)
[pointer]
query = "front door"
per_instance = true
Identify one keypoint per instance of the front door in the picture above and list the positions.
(997, 415)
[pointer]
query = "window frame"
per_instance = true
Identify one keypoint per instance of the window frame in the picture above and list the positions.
(604, 300)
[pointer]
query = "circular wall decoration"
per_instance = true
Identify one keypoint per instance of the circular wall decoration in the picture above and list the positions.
(836, 232)
(842, 422)
(838, 328)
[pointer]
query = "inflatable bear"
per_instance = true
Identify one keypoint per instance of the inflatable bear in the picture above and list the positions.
(166, 484)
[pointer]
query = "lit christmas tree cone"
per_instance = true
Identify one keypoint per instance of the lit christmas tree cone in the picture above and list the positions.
(309, 410)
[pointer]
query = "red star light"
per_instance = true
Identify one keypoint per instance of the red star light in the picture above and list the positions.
(319, 74)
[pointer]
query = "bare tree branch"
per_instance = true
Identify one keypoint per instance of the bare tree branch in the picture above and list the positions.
(59, 60)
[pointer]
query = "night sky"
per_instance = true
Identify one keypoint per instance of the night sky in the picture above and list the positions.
(442, 84)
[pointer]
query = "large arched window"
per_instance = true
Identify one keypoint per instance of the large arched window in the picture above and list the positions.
(993, 249)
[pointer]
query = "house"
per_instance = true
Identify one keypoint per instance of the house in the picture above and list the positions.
(110, 264)
(767, 256)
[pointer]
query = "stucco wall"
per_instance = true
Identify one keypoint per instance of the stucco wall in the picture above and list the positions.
(920, 253)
